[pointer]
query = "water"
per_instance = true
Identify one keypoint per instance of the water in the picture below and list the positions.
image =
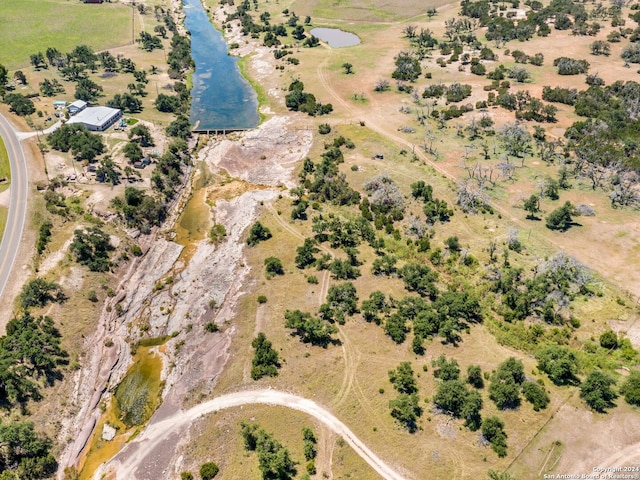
(335, 37)
(221, 97)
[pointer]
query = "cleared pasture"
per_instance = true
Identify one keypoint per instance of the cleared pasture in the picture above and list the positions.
(31, 26)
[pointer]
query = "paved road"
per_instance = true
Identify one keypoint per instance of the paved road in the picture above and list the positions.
(18, 206)
(136, 453)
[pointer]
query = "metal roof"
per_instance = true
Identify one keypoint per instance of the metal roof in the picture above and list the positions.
(97, 116)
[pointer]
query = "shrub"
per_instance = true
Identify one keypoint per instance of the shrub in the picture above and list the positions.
(324, 128)
(609, 340)
(631, 388)
(257, 234)
(208, 470)
(273, 266)
(570, 66)
(631, 53)
(211, 327)
(262, 299)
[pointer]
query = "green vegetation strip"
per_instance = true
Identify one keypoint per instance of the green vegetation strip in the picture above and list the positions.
(60, 24)
(5, 168)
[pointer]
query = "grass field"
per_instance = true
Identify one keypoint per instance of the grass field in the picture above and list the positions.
(60, 24)
(5, 169)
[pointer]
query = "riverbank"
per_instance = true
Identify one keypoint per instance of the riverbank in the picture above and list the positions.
(204, 287)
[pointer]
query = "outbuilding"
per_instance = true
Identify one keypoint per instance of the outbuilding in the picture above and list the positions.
(77, 106)
(97, 119)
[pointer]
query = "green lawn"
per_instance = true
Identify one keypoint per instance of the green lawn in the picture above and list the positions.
(5, 169)
(30, 26)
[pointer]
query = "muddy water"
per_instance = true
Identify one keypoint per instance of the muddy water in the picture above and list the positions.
(139, 395)
(335, 37)
(195, 220)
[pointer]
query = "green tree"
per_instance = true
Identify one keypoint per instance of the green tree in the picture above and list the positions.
(29, 353)
(406, 410)
(38, 292)
(310, 329)
(348, 68)
(87, 90)
(274, 459)
(305, 253)
(310, 447)
(407, 67)
(596, 391)
(471, 410)
(631, 388)
(180, 128)
(91, 247)
(139, 210)
(561, 218)
(446, 369)
(532, 206)
(25, 452)
(266, 361)
(451, 396)
(140, 133)
(257, 234)
(273, 266)
(493, 431)
(419, 278)
(505, 384)
(133, 152)
(559, 363)
(536, 395)
(474, 376)
(402, 378)
(20, 104)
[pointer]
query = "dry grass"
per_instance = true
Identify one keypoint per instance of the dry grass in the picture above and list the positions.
(348, 377)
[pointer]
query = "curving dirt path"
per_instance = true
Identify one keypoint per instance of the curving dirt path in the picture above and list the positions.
(133, 456)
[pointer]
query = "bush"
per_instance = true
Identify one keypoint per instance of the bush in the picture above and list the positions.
(208, 470)
(217, 233)
(609, 340)
(631, 388)
(211, 327)
(186, 476)
(262, 299)
(570, 66)
(324, 128)
(631, 53)
(257, 234)
(273, 266)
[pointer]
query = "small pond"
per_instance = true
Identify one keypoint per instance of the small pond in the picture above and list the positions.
(335, 37)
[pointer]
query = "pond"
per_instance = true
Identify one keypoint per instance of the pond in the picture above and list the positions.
(221, 98)
(335, 37)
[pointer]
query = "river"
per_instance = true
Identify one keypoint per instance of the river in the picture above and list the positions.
(221, 98)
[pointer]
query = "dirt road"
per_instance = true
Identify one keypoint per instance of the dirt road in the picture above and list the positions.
(132, 458)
